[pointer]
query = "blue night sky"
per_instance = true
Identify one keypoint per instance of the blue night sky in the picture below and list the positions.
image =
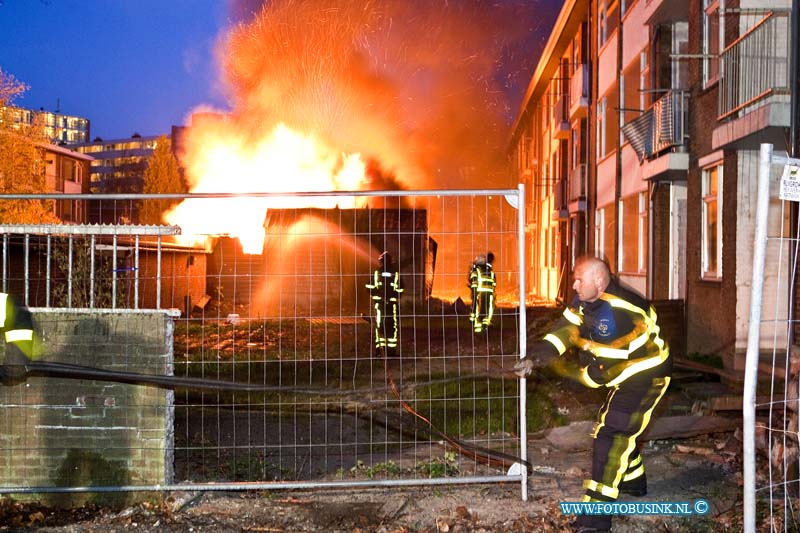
(129, 66)
(142, 66)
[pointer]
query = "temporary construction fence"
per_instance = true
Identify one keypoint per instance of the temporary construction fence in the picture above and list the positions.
(293, 325)
(770, 407)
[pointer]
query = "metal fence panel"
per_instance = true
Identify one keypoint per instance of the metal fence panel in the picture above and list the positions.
(770, 406)
(297, 322)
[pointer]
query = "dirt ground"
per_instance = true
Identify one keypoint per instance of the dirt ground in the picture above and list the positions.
(707, 466)
(679, 470)
(673, 476)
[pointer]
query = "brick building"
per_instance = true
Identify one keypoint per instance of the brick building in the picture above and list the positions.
(657, 176)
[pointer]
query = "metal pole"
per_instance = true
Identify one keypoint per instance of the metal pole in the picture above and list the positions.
(753, 338)
(27, 276)
(523, 338)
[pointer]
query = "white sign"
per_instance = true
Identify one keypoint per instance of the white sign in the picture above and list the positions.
(790, 183)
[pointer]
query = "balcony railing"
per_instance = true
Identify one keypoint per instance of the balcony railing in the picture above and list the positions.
(561, 117)
(560, 199)
(755, 66)
(577, 183)
(579, 92)
(661, 127)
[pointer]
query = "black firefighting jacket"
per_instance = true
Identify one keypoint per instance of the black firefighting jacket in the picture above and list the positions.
(617, 337)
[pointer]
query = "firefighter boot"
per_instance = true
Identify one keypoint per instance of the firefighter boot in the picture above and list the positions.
(592, 524)
(634, 487)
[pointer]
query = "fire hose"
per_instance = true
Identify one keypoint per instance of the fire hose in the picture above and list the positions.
(474, 451)
(19, 372)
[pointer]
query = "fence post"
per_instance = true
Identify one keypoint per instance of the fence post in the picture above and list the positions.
(753, 339)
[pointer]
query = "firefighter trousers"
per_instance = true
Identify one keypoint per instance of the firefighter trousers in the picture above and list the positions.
(616, 460)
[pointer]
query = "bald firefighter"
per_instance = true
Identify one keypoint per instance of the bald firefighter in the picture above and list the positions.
(17, 327)
(620, 348)
(482, 284)
(385, 293)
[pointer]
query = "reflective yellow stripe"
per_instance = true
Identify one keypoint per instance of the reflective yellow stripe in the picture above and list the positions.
(586, 380)
(636, 473)
(572, 317)
(601, 420)
(3, 301)
(632, 439)
(639, 366)
(605, 490)
(555, 341)
(601, 350)
(19, 335)
(635, 462)
(604, 351)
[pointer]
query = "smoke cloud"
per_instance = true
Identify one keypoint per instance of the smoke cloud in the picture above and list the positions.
(423, 87)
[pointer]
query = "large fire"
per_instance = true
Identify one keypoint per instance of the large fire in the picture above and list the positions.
(284, 161)
(343, 95)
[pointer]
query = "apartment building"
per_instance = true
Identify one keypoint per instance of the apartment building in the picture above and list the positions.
(549, 146)
(117, 168)
(57, 127)
(638, 141)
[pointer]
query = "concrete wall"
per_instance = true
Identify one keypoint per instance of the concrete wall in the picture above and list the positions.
(58, 432)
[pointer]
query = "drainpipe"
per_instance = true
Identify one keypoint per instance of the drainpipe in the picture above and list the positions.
(794, 146)
(721, 36)
(652, 187)
(618, 155)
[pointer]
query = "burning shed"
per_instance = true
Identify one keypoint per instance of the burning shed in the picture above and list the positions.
(315, 262)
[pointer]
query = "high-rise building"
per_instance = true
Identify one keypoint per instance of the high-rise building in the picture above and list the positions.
(56, 127)
(118, 168)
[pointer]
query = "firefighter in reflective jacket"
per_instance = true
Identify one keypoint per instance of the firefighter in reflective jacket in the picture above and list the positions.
(385, 292)
(482, 283)
(17, 327)
(619, 344)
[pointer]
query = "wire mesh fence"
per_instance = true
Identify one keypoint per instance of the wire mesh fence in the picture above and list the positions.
(770, 410)
(292, 310)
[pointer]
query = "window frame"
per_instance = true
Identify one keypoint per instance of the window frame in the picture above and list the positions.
(708, 198)
(710, 42)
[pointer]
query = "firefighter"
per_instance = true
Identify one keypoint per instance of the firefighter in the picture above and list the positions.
(17, 327)
(385, 292)
(620, 347)
(482, 284)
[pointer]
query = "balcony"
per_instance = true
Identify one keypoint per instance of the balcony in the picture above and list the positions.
(560, 211)
(560, 118)
(660, 128)
(754, 93)
(659, 12)
(576, 189)
(579, 93)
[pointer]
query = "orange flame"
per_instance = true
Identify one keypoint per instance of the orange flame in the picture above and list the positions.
(283, 161)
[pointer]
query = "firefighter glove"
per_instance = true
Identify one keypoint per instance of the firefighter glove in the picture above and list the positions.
(540, 354)
(523, 367)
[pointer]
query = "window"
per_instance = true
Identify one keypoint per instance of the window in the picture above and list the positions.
(680, 45)
(604, 235)
(644, 75)
(601, 127)
(711, 229)
(602, 25)
(711, 41)
(634, 234)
